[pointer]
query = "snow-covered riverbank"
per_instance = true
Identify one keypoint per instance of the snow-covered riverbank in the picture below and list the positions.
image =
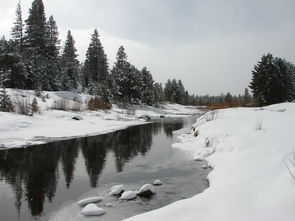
(248, 149)
(20, 130)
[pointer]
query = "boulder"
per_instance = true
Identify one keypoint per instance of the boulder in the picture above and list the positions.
(116, 190)
(157, 183)
(92, 210)
(128, 195)
(147, 190)
(83, 202)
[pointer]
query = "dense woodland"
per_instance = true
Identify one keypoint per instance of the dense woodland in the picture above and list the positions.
(33, 59)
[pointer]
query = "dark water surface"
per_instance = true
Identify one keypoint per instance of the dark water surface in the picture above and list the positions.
(43, 182)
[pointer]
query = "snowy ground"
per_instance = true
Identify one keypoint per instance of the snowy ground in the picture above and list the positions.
(250, 150)
(19, 130)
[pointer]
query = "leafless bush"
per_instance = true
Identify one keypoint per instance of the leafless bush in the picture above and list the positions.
(23, 106)
(212, 115)
(35, 107)
(97, 103)
(290, 164)
(130, 111)
(76, 106)
(60, 104)
(259, 124)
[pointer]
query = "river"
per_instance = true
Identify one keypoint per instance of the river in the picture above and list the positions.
(43, 182)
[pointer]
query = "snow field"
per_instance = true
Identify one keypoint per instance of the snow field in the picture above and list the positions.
(248, 149)
(49, 124)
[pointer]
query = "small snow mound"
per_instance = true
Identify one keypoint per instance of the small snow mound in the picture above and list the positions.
(157, 183)
(109, 205)
(92, 210)
(116, 190)
(128, 195)
(147, 190)
(89, 200)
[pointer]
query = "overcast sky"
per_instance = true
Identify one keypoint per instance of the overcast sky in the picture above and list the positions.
(211, 45)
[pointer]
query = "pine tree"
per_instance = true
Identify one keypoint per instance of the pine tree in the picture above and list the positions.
(272, 80)
(18, 29)
(12, 70)
(35, 46)
(53, 69)
(168, 91)
(5, 101)
(147, 87)
(119, 76)
(95, 70)
(179, 93)
(159, 93)
(70, 64)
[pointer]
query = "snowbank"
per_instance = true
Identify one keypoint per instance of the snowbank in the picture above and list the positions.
(50, 124)
(247, 148)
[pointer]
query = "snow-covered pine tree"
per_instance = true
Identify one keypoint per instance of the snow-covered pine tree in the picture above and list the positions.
(168, 90)
(17, 31)
(119, 75)
(159, 93)
(179, 93)
(5, 101)
(147, 87)
(12, 73)
(70, 64)
(53, 69)
(35, 46)
(272, 80)
(95, 69)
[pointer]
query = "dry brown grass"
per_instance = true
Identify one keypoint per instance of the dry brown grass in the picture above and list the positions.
(97, 103)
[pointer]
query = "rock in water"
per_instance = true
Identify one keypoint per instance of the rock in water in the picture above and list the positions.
(128, 195)
(83, 202)
(157, 183)
(92, 210)
(147, 190)
(116, 190)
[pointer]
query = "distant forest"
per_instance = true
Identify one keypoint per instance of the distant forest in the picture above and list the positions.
(33, 59)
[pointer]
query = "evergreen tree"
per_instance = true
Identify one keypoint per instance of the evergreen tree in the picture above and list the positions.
(12, 73)
(168, 90)
(18, 29)
(95, 68)
(70, 64)
(272, 80)
(147, 87)
(120, 76)
(53, 76)
(159, 93)
(35, 45)
(179, 93)
(5, 101)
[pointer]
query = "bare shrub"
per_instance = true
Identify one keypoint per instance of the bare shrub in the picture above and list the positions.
(130, 112)
(35, 107)
(76, 106)
(60, 104)
(259, 124)
(212, 115)
(97, 103)
(290, 164)
(23, 106)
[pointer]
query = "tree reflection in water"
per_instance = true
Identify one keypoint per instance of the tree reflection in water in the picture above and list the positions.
(33, 173)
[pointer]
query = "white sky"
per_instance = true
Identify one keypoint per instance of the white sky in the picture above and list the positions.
(211, 45)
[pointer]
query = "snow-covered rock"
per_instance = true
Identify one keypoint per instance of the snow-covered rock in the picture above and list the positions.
(77, 117)
(157, 183)
(116, 190)
(128, 195)
(89, 200)
(147, 190)
(205, 166)
(92, 210)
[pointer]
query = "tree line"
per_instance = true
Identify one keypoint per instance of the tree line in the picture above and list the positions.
(33, 59)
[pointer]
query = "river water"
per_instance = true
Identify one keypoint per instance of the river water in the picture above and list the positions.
(43, 182)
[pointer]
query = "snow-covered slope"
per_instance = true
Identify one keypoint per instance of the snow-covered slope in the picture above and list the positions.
(20, 130)
(248, 149)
